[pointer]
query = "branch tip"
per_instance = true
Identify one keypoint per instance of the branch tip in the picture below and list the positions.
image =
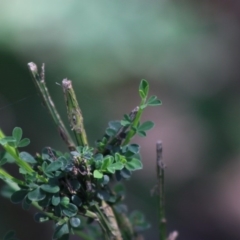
(33, 67)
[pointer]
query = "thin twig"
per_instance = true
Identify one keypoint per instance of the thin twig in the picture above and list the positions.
(160, 176)
(39, 81)
(74, 113)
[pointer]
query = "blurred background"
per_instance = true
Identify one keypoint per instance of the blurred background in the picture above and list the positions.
(187, 50)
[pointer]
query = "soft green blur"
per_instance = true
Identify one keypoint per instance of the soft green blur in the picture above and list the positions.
(188, 51)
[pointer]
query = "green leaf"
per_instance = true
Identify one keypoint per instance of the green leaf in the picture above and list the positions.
(64, 237)
(3, 161)
(111, 170)
(127, 117)
(98, 157)
(44, 203)
(143, 89)
(27, 157)
(97, 174)
(9, 235)
(3, 142)
(48, 154)
(64, 162)
(75, 184)
(58, 211)
(64, 201)
(22, 171)
(145, 126)
(106, 162)
(75, 222)
(105, 180)
(117, 166)
(138, 221)
(17, 134)
(125, 123)
(119, 189)
(142, 133)
(115, 125)
(143, 106)
(7, 191)
(70, 210)
(18, 196)
(7, 140)
(76, 200)
(24, 142)
(55, 200)
(153, 101)
(54, 166)
(134, 164)
(134, 148)
(50, 188)
(26, 203)
(36, 195)
(60, 230)
(41, 217)
(103, 195)
(110, 132)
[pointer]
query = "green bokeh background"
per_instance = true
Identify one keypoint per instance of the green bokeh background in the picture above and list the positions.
(189, 53)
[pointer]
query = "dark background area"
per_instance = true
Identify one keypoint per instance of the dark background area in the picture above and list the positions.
(189, 53)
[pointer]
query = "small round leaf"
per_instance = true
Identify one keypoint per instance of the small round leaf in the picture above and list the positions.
(50, 188)
(97, 174)
(70, 210)
(36, 195)
(18, 196)
(75, 222)
(55, 200)
(17, 134)
(76, 200)
(65, 201)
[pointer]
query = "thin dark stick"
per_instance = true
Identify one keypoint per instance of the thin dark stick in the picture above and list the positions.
(160, 177)
(39, 80)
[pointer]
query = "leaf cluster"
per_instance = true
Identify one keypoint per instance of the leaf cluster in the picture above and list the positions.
(69, 188)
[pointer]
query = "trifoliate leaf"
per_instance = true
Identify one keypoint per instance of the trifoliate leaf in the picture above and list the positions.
(24, 142)
(143, 89)
(17, 134)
